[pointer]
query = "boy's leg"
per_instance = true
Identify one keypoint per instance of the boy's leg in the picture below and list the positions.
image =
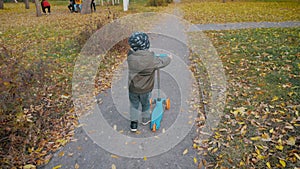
(145, 100)
(134, 106)
(49, 10)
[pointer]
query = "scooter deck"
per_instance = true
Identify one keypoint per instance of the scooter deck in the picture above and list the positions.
(157, 114)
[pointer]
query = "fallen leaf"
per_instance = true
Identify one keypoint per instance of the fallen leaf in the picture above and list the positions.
(76, 166)
(29, 166)
(61, 154)
(185, 151)
(114, 156)
(279, 147)
(282, 162)
(297, 156)
(291, 141)
(195, 160)
(265, 137)
(57, 167)
(268, 165)
(113, 166)
(275, 98)
(244, 130)
(255, 138)
(145, 158)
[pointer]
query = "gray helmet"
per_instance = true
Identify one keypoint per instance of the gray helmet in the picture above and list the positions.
(139, 41)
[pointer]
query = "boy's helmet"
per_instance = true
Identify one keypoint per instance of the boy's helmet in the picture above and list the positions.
(139, 41)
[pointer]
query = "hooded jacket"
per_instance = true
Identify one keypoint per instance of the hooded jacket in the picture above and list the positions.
(141, 66)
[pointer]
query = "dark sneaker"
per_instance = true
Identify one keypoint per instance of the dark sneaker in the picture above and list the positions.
(145, 121)
(133, 126)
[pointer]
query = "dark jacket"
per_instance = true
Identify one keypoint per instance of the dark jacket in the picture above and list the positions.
(142, 65)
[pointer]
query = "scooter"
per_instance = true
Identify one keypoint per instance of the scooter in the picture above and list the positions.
(161, 104)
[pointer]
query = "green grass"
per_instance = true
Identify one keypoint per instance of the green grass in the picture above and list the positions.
(262, 68)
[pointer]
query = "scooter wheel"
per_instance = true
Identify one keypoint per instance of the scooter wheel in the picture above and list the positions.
(154, 127)
(168, 104)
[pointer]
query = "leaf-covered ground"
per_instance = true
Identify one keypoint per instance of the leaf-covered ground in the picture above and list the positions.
(37, 57)
(260, 126)
(240, 11)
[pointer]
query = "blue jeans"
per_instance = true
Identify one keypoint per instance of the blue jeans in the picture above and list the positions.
(135, 100)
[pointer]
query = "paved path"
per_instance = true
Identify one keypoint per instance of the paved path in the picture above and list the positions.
(85, 152)
(244, 25)
(176, 152)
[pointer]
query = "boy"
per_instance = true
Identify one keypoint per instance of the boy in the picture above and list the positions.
(142, 64)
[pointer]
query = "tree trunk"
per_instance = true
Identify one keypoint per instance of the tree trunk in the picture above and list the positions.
(38, 8)
(86, 7)
(26, 4)
(1, 4)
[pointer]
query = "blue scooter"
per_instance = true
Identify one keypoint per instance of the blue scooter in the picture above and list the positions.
(161, 104)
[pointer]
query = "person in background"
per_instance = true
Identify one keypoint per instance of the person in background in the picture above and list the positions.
(93, 5)
(77, 6)
(45, 5)
(71, 5)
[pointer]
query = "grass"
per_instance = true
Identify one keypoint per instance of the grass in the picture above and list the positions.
(240, 11)
(262, 68)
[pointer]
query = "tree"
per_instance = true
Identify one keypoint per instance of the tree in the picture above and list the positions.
(26, 4)
(1, 4)
(38, 8)
(86, 7)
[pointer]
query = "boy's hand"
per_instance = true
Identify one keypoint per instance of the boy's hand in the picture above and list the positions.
(171, 56)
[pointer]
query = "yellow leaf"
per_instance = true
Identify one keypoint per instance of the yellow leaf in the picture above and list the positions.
(113, 166)
(274, 98)
(271, 131)
(114, 156)
(214, 150)
(244, 130)
(29, 166)
(57, 167)
(195, 146)
(61, 154)
(7, 84)
(145, 158)
(195, 160)
(291, 141)
(76, 166)
(185, 151)
(282, 162)
(297, 156)
(279, 147)
(255, 138)
(257, 151)
(265, 137)
(242, 163)
(268, 165)
(261, 157)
